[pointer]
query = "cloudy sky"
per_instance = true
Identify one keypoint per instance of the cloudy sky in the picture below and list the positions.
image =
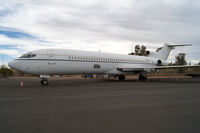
(107, 25)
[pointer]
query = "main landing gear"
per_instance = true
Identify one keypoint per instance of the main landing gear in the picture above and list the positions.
(142, 77)
(121, 77)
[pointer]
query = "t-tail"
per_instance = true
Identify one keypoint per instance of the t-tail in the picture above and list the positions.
(164, 52)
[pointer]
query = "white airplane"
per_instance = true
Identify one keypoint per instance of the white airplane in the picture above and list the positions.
(47, 62)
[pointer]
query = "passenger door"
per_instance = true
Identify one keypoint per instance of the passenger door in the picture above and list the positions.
(51, 57)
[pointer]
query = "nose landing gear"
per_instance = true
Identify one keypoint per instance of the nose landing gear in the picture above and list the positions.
(44, 82)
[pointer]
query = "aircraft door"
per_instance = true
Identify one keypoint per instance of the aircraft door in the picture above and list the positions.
(51, 57)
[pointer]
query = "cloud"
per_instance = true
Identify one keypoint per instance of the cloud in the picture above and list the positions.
(15, 34)
(109, 25)
(12, 53)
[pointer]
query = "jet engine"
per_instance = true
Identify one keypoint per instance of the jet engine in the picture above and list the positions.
(152, 54)
(162, 63)
(148, 53)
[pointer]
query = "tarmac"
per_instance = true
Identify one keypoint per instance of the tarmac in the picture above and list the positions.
(100, 106)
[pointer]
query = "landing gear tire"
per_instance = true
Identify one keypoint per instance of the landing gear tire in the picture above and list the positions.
(121, 77)
(142, 77)
(44, 82)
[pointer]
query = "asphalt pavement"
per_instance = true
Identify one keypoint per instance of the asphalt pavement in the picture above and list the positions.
(100, 106)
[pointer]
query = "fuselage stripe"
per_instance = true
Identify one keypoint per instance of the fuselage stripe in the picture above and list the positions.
(82, 61)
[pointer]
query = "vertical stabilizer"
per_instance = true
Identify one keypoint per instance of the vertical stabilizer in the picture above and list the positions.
(165, 51)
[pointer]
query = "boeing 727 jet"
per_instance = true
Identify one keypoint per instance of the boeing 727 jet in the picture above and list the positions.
(47, 62)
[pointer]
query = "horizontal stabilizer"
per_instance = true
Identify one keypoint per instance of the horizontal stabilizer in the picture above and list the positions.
(183, 45)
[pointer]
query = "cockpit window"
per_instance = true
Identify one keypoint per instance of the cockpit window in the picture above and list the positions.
(28, 55)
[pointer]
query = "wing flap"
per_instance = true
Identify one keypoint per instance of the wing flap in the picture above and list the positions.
(135, 68)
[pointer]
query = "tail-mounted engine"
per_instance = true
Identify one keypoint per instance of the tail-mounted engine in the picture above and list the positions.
(162, 63)
(153, 54)
(148, 53)
(156, 55)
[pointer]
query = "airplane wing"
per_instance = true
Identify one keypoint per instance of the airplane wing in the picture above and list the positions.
(135, 68)
(181, 66)
(140, 68)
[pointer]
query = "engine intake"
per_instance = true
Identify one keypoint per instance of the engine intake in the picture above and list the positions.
(148, 53)
(162, 63)
(159, 62)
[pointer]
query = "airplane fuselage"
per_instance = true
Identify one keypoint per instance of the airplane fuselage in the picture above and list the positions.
(61, 62)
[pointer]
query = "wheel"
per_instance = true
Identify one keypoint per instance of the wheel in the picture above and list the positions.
(44, 82)
(121, 77)
(142, 77)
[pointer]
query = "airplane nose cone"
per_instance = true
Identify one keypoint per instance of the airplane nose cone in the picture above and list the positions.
(14, 64)
(10, 64)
